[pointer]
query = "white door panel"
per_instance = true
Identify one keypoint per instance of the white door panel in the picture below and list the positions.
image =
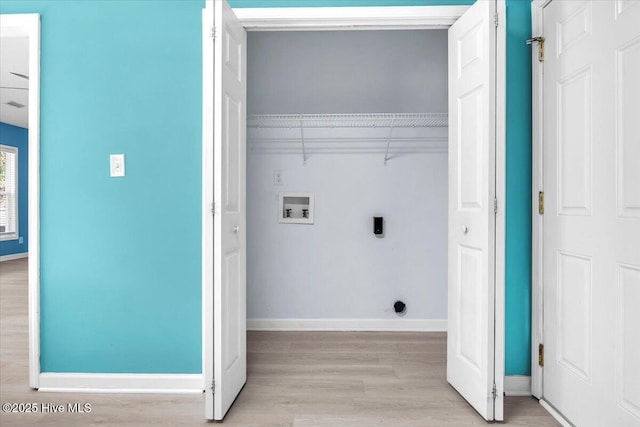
(591, 242)
(472, 139)
(229, 222)
(230, 346)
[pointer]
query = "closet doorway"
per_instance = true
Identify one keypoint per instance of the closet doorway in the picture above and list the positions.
(475, 225)
(357, 121)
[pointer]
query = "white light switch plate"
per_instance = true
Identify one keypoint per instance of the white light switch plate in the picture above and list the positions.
(117, 164)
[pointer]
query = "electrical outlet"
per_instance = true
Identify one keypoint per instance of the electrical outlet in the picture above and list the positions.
(117, 164)
(277, 177)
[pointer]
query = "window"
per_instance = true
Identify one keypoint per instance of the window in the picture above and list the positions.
(8, 192)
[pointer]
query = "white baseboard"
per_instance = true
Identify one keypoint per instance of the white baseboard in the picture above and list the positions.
(11, 257)
(555, 414)
(416, 325)
(517, 385)
(121, 383)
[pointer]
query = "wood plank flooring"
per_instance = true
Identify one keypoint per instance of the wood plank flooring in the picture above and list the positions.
(302, 379)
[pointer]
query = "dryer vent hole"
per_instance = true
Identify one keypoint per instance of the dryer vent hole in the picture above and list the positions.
(400, 308)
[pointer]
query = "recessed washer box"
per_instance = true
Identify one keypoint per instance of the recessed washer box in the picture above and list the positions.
(295, 208)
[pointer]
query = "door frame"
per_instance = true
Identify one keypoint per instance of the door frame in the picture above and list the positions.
(537, 183)
(353, 19)
(28, 25)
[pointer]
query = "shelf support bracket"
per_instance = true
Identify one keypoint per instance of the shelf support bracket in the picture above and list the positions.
(386, 154)
(304, 153)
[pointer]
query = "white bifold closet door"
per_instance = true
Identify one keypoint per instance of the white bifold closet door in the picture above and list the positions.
(229, 221)
(472, 348)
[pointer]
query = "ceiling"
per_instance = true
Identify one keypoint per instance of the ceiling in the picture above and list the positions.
(14, 58)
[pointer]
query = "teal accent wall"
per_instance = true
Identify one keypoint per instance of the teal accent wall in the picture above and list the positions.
(18, 137)
(121, 256)
(121, 281)
(518, 221)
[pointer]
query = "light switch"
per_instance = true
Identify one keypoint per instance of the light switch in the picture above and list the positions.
(117, 164)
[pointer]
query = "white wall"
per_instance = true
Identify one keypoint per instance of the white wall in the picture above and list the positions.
(336, 268)
(347, 72)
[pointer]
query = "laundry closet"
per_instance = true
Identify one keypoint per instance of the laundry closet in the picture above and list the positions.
(344, 127)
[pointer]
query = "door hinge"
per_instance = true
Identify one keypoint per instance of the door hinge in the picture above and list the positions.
(494, 392)
(495, 205)
(213, 387)
(495, 19)
(213, 208)
(540, 41)
(213, 32)
(541, 202)
(541, 354)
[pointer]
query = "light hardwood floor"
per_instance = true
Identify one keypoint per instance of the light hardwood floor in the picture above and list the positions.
(317, 379)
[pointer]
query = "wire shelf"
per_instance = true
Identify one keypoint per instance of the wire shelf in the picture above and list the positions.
(386, 120)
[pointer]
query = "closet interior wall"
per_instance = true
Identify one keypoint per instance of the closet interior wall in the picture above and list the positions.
(337, 268)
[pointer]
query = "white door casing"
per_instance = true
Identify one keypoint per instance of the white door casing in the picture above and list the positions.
(472, 345)
(229, 352)
(536, 187)
(591, 220)
(28, 25)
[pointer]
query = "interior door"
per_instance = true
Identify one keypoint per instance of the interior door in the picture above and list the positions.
(591, 237)
(229, 220)
(471, 343)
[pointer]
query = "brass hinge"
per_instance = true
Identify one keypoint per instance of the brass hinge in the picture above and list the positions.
(540, 354)
(540, 41)
(541, 202)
